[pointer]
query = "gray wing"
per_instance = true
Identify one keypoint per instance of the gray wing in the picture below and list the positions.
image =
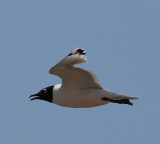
(74, 77)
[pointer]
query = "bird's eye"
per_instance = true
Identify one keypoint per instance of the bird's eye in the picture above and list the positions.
(44, 90)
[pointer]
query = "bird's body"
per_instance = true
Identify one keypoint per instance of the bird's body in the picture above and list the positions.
(80, 88)
(85, 97)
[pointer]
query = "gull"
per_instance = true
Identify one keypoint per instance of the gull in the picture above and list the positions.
(80, 87)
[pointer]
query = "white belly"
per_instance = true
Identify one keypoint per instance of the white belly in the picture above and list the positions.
(82, 98)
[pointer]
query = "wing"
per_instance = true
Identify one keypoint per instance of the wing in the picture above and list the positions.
(74, 77)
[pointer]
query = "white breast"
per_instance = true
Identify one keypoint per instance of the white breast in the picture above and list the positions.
(78, 98)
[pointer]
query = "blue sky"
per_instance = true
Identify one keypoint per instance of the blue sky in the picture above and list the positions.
(122, 41)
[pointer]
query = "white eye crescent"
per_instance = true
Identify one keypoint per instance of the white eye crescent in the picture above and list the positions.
(44, 90)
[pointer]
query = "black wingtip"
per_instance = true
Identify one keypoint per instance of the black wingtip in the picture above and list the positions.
(119, 101)
(79, 51)
(70, 54)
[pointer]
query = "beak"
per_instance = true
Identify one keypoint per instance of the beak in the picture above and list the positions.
(35, 96)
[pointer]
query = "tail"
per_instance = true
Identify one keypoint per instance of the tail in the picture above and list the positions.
(121, 99)
(127, 97)
(124, 99)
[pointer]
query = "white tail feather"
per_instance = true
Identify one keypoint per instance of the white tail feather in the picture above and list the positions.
(128, 97)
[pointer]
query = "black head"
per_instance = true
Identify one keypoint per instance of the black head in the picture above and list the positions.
(44, 94)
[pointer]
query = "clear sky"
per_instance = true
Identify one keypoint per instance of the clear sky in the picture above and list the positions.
(122, 41)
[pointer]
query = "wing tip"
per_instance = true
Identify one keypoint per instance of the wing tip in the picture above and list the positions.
(51, 71)
(77, 56)
(79, 51)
